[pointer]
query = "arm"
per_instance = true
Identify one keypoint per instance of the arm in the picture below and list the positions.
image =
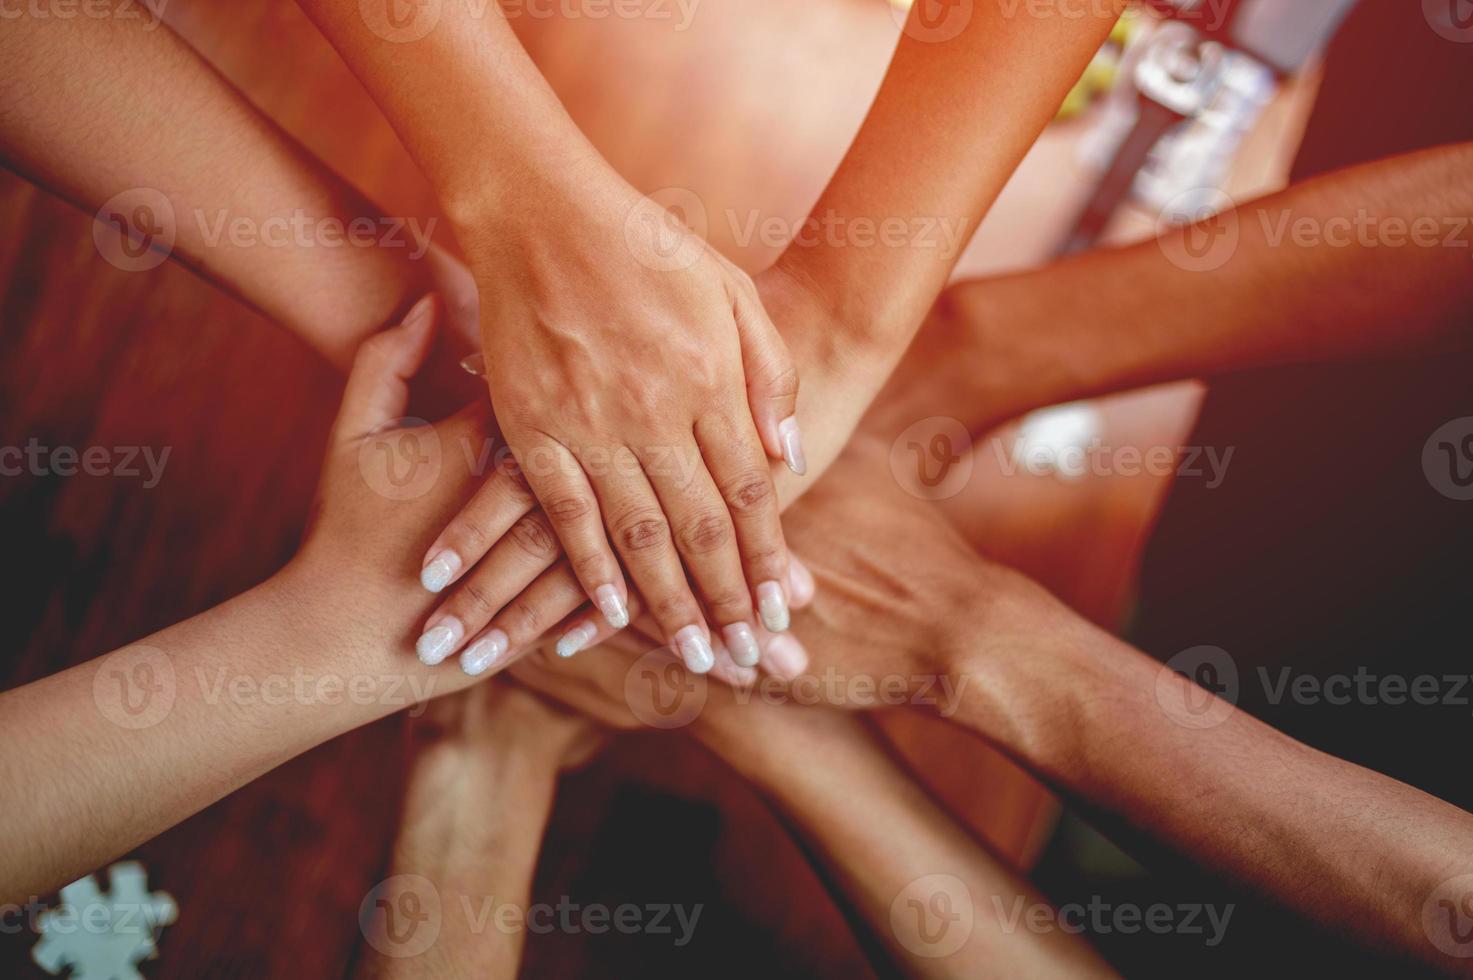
(634, 373)
(113, 751)
(98, 109)
(1360, 285)
(897, 854)
(479, 796)
(1127, 738)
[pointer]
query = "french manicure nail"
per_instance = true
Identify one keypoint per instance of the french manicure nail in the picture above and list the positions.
(800, 582)
(441, 569)
(611, 604)
(772, 606)
(742, 643)
(785, 657)
(695, 649)
(792, 440)
(576, 639)
(435, 644)
(484, 652)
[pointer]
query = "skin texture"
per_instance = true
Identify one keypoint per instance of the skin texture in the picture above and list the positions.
(875, 852)
(166, 726)
(1109, 727)
(479, 795)
(994, 348)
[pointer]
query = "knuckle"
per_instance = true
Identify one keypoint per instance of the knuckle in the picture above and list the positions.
(706, 533)
(783, 381)
(766, 561)
(730, 605)
(521, 620)
(565, 508)
(678, 608)
(476, 601)
(748, 492)
(534, 536)
(590, 567)
(643, 532)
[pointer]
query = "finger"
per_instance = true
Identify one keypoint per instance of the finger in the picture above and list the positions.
(501, 501)
(522, 622)
(704, 533)
(527, 550)
(377, 391)
(744, 482)
(563, 490)
(801, 587)
(772, 381)
(724, 669)
(641, 533)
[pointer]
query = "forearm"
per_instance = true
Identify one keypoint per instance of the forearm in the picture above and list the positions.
(472, 828)
(896, 847)
(92, 108)
(953, 118)
(113, 751)
(1370, 260)
(1347, 847)
(472, 108)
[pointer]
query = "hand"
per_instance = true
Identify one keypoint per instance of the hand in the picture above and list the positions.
(642, 396)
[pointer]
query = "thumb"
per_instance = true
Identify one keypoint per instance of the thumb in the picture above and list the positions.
(772, 383)
(378, 385)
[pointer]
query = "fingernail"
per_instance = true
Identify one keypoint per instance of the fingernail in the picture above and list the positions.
(474, 364)
(772, 605)
(419, 312)
(441, 569)
(742, 643)
(800, 582)
(576, 639)
(785, 657)
(695, 649)
(484, 652)
(611, 604)
(435, 644)
(787, 433)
